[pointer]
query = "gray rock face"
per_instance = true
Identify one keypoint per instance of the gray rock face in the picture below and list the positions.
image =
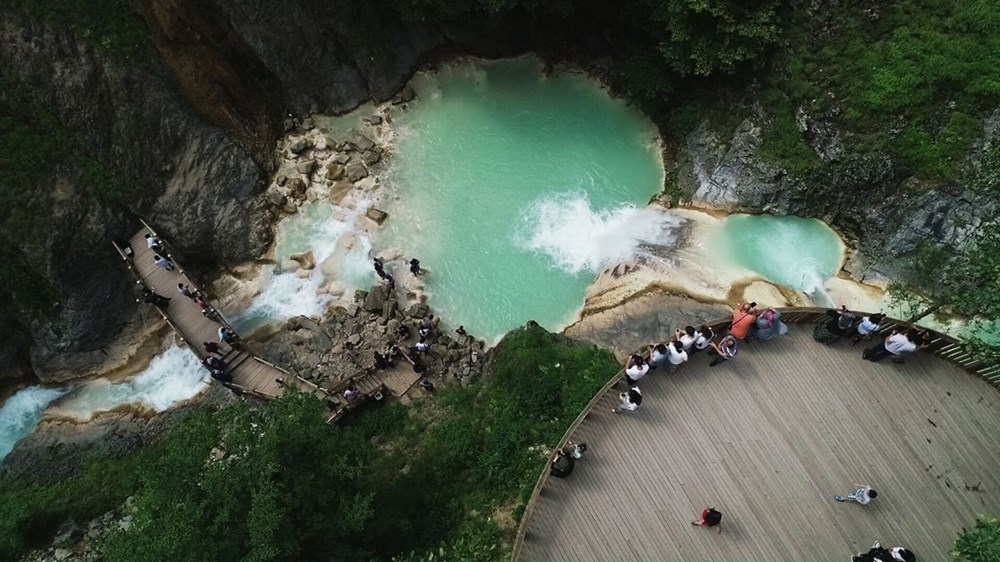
(188, 179)
(864, 196)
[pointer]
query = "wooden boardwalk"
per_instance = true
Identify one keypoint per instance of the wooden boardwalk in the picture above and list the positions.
(769, 438)
(250, 373)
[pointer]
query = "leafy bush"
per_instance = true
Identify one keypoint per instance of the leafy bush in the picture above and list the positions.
(422, 482)
(982, 544)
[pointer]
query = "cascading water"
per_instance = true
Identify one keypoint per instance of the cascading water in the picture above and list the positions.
(171, 377)
(577, 238)
(22, 412)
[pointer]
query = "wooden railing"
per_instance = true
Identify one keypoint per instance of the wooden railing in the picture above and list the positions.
(941, 345)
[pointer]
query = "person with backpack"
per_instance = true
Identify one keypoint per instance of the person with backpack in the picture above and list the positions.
(629, 401)
(710, 517)
(839, 324)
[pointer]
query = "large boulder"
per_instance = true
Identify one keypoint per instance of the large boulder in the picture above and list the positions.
(376, 299)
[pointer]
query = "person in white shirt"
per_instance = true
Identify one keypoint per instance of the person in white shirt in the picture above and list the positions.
(702, 339)
(867, 327)
(687, 336)
(897, 343)
(864, 494)
(635, 369)
(676, 355)
(900, 554)
(629, 401)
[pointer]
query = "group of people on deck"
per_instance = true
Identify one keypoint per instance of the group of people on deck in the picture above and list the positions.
(213, 356)
(897, 345)
(746, 324)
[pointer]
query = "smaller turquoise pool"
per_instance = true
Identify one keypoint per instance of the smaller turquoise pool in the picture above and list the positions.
(800, 253)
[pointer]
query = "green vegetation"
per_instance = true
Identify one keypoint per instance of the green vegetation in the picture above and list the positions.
(112, 26)
(31, 509)
(445, 477)
(981, 544)
(910, 78)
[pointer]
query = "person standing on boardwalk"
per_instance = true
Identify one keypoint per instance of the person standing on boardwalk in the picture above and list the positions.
(159, 301)
(864, 494)
(702, 339)
(163, 262)
(635, 369)
(658, 355)
(743, 320)
(185, 290)
(676, 355)
(710, 517)
(724, 350)
(629, 401)
(687, 336)
(867, 327)
(896, 344)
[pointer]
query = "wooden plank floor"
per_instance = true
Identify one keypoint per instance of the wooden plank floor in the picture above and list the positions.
(769, 438)
(196, 328)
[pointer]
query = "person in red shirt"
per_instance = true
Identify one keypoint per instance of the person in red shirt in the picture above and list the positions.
(710, 517)
(744, 318)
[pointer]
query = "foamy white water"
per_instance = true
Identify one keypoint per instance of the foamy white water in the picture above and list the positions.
(173, 376)
(332, 235)
(22, 412)
(577, 238)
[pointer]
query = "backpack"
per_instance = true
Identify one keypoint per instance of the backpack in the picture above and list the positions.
(846, 320)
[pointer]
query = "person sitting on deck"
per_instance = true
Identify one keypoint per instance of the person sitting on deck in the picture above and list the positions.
(710, 517)
(159, 301)
(163, 262)
(562, 464)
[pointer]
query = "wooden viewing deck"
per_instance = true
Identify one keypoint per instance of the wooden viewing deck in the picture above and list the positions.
(769, 438)
(250, 373)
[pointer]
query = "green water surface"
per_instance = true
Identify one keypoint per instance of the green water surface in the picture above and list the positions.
(479, 147)
(800, 253)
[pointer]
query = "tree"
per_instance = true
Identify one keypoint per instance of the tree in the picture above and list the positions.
(982, 544)
(285, 487)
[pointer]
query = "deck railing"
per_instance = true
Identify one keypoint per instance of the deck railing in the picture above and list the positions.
(941, 345)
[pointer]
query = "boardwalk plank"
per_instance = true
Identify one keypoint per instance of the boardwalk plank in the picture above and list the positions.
(769, 438)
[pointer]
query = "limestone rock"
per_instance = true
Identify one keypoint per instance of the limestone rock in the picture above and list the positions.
(305, 259)
(374, 120)
(298, 145)
(371, 157)
(338, 191)
(405, 95)
(360, 142)
(375, 300)
(335, 171)
(356, 171)
(376, 215)
(276, 198)
(342, 158)
(290, 266)
(418, 310)
(306, 167)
